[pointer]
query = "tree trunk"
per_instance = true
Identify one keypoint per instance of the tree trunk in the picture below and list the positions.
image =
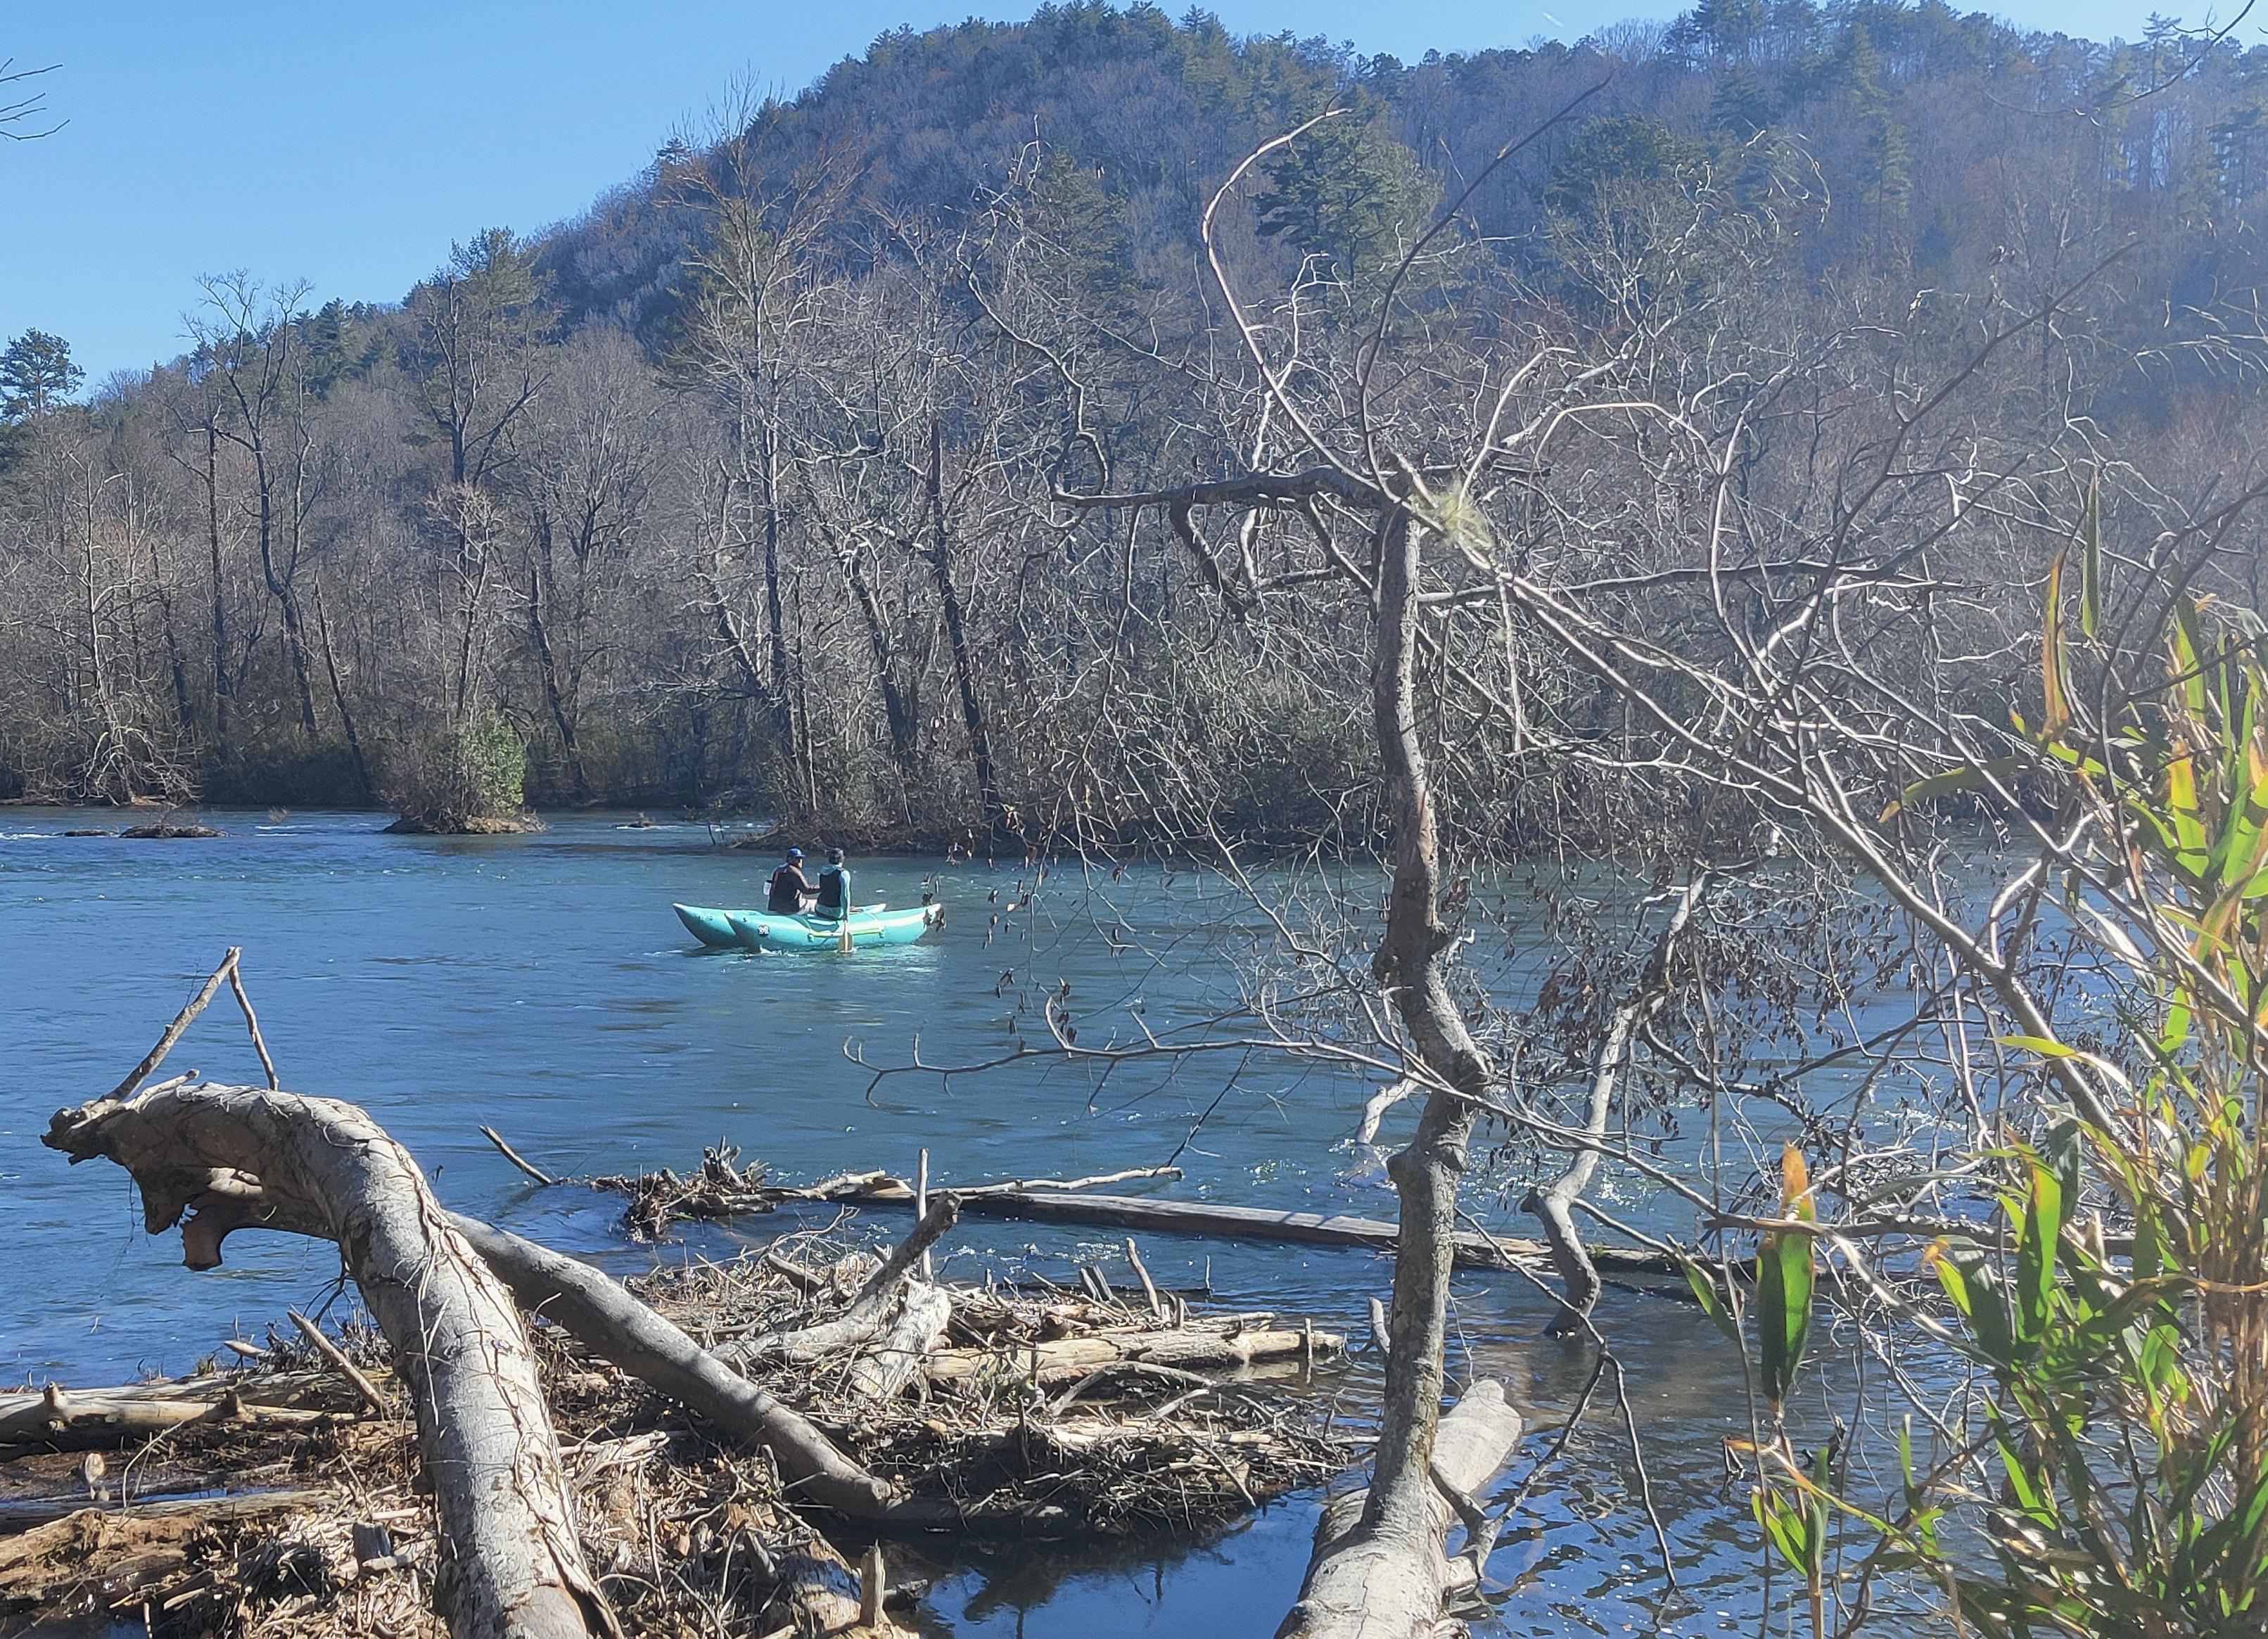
(1362, 1587)
(783, 701)
(547, 663)
(221, 688)
(899, 715)
(1395, 1545)
(996, 822)
(279, 586)
(339, 692)
(232, 1157)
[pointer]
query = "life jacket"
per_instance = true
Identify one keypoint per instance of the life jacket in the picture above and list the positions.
(835, 891)
(786, 887)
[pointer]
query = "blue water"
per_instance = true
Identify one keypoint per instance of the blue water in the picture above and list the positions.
(540, 985)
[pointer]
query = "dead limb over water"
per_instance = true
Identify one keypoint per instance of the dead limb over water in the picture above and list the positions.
(720, 1189)
(231, 1157)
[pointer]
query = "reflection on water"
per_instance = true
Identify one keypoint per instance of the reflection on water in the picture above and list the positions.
(542, 986)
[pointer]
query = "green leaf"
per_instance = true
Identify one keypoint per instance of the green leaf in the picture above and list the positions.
(1966, 777)
(1703, 1282)
(2040, 1045)
(2041, 1228)
(1785, 1281)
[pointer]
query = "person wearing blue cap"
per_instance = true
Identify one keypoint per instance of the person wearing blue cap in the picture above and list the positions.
(790, 891)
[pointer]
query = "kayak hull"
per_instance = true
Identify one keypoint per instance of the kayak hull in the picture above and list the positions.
(714, 928)
(760, 931)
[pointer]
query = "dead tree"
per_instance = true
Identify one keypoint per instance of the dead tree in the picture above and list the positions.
(1379, 1574)
(234, 1157)
(1553, 1203)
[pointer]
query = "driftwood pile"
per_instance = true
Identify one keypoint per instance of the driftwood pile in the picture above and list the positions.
(282, 1491)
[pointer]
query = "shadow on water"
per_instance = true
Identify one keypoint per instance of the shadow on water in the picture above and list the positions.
(540, 985)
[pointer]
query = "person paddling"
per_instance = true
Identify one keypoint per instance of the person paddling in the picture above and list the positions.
(790, 889)
(833, 888)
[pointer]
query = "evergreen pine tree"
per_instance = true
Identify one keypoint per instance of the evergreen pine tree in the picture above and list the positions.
(36, 376)
(1348, 191)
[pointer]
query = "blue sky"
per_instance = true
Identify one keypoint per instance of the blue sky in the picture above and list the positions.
(347, 145)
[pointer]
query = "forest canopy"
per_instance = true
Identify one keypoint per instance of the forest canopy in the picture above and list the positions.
(745, 488)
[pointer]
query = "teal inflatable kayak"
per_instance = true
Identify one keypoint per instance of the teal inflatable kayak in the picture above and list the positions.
(869, 925)
(714, 928)
(711, 926)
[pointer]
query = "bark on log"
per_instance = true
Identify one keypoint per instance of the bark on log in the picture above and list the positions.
(601, 1313)
(886, 1369)
(1371, 1581)
(870, 1311)
(1190, 1350)
(229, 1157)
(76, 1419)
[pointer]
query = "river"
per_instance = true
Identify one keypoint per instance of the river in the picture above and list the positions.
(540, 985)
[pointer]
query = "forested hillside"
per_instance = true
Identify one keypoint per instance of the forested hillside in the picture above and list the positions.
(763, 484)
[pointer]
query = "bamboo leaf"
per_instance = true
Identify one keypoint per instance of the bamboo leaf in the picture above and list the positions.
(2056, 717)
(1703, 1284)
(2040, 1045)
(1968, 776)
(2041, 1228)
(1785, 1279)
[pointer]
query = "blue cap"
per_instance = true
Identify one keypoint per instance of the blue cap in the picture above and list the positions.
(795, 852)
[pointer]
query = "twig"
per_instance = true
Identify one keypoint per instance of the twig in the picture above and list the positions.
(252, 1022)
(182, 1020)
(921, 1198)
(516, 1158)
(1149, 1286)
(1122, 1369)
(331, 1352)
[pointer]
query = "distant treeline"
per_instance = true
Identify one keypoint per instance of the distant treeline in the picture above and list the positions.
(748, 488)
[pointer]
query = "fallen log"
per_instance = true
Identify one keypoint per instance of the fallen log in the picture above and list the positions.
(1474, 1251)
(58, 1418)
(1186, 1349)
(25, 1519)
(601, 1313)
(112, 1555)
(1366, 1582)
(233, 1156)
(1069, 1201)
(897, 1359)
